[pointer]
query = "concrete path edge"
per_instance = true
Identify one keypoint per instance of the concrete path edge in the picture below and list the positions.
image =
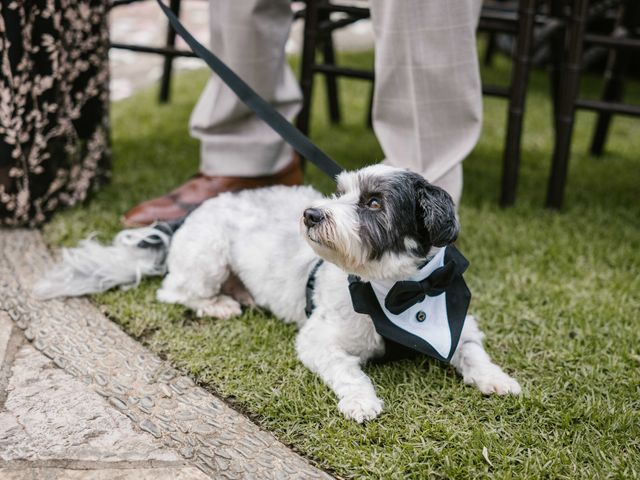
(167, 406)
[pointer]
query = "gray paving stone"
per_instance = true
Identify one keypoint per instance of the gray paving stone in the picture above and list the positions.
(48, 414)
(6, 326)
(10, 341)
(162, 473)
(163, 405)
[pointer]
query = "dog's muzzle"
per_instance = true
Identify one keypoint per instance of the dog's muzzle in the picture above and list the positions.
(313, 217)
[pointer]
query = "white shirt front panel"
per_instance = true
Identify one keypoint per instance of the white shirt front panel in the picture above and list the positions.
(435, 328)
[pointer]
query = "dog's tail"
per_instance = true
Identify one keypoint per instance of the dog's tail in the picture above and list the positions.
(92, 267)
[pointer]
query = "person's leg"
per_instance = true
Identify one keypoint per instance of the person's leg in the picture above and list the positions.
(250, 37)
(238, 150)
(428, 99)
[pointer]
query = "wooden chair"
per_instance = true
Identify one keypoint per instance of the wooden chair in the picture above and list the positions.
(582, 12)
(319, 25)
(625, 34)
(168, 51)
(496, 17)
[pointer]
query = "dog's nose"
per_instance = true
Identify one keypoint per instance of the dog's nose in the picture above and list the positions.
(313, 216)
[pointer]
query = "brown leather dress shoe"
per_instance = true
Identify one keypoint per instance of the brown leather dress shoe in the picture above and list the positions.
(188, 196)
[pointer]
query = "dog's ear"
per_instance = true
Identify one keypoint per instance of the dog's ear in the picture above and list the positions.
(435, 214)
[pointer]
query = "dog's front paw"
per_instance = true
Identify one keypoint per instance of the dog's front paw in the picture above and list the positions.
(491, 379)
(360, 407)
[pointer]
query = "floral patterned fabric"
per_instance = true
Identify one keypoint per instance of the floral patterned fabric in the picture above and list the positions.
(54, 145)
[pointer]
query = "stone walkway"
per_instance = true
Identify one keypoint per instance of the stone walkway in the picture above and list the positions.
(79, 399)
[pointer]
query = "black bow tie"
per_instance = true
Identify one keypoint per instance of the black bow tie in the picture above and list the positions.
(405, 294)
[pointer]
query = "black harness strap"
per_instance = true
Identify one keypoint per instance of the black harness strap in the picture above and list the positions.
(167, 228)
(311, 285)
(256, 103)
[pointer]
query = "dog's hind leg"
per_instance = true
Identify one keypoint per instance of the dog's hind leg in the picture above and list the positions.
(198, 267)
(220, 306)
(473, 363)
(200, 292)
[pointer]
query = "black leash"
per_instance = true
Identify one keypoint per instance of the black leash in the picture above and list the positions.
(255, 102)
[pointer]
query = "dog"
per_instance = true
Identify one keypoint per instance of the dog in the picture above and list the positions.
(380, 225)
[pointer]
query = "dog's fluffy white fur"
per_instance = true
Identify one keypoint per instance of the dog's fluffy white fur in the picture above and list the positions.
(382, 223)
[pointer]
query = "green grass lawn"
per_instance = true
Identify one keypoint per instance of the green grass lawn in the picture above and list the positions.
(558, 295)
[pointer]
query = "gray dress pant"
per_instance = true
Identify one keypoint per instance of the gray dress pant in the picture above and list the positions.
(427, 108)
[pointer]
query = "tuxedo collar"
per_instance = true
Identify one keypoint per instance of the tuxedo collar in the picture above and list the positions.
(429, 310)
(424, 269)
(424, 313)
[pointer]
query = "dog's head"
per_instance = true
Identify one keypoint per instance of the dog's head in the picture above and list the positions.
(381, 223)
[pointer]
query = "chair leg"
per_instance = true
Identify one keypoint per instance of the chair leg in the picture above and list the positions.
(617, 65)
(569, 85)
(165, 82)
(612, 91)
(309, 46)
(490, 50)
(329, 57)
(556, 55)
(517, 98)
(370, 106)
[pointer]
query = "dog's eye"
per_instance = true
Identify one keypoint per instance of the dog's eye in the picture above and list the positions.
(374, 204)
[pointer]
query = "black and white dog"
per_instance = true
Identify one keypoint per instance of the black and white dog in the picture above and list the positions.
(382, 225)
